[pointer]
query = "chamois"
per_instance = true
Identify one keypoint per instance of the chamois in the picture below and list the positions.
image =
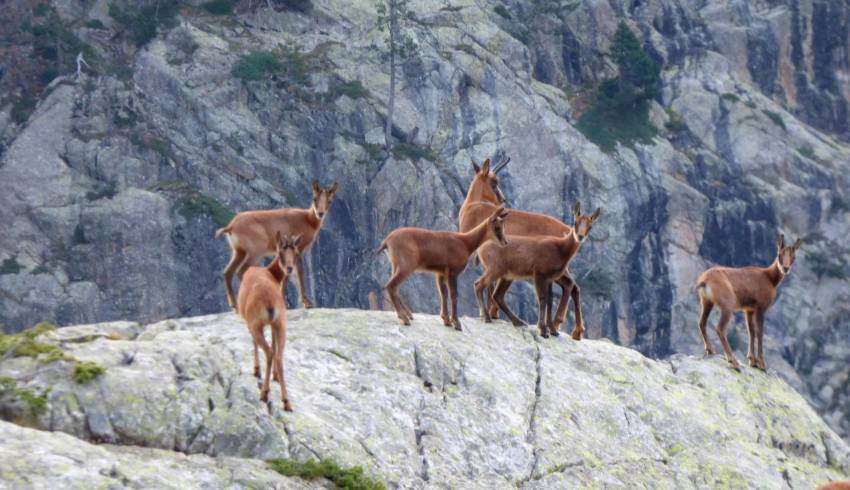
(483, 196)
(261, 303)
(748, 289)
(251, 237)
(542, 259)
(835, 485)
(445, 253)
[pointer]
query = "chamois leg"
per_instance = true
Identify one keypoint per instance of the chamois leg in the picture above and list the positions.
(500, 300)
(399, 276)
(501, 289)
(443, 290)
(705, 312)
(482, 286)
(235, 259)
(299, 266)
(256, 361)
(751, 338)
(725, 316)
(278, 345)
(542, 289)
(567, 284)
(759, 318)
(259, 340)
(452, 280)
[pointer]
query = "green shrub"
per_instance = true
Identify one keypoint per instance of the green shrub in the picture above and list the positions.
(730, 97)
(827, 265)
(256, 65)
(142, 23)
(10, 266)
(79, 237)
(675, 123)
(412, 151)
(620, 112)
(37, 404)
(95, 24)
(298, 5)
(85, 371)
(106, 190)
(598, 283)
(605, 124)
(343, 478)
(776, 118)
(23, 108)
(838, 204)
(218, 7)
(40, 269)
(23, 344)
(806, 151)
(353, 89)
(502, 11)
(196, 204)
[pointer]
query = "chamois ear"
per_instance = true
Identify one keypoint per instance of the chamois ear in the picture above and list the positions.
(316, 188)
(504, 214)
(333, 188)
(797, 244)
(475, 166)
(485, 167)
(595, 215)
(577, 209)
(278, 240)
(780, 242)
(296, 240)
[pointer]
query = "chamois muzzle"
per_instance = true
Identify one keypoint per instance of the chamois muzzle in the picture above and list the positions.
(289, 269)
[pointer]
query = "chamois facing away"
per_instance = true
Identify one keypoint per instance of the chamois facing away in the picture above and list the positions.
(542, 259)
(445, 253)
(748, 289)
(251, 237)
(261, 303)
(483, 196)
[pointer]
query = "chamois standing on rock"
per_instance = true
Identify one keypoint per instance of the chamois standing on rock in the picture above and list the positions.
(542, 259)
(445, 253)
(483, 196)
(748, 289)
(261, 303)
(251, 237)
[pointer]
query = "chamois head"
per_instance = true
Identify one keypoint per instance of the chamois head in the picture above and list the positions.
(584, 223)
(485, 185)
(785, 255)
(495, 226)
(287, 251)
(322, 199)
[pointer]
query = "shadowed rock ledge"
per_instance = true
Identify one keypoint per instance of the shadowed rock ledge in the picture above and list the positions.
(419, 406)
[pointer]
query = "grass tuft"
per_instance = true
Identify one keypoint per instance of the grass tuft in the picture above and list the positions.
(10, 266)
(776, 118)
(86, 371)
(343, 478)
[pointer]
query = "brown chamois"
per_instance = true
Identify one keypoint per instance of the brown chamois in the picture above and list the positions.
(445, 253)
(251, 237)
(543, 259)
(261, 303)
(835, 485)
(483, 196)
(748, 289)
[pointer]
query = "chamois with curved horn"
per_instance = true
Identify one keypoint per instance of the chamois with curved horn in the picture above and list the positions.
(482, 197)
(445, 253)
(251, 236)
(748, 289)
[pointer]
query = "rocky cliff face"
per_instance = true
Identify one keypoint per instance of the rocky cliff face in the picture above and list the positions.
(111, 189)
(419, 407)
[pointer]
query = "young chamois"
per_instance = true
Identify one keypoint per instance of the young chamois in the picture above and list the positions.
(483, 196)
(251, 237)
(542, 259)
(445, 253)
(261, 303)
(748, 289)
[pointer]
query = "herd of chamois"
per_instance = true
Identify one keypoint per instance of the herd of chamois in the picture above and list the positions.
(510, 244)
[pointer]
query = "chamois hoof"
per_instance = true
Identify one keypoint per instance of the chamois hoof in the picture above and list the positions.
(487, 319)
(264, 396)
(734, 365)
(287, 406)
(555, 333)
(520, 324)
(456, 324)
(708, 353)
(761, 365)
(405, 322)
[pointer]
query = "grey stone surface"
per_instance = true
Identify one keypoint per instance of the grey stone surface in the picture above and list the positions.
(425, 406)
(96, 187)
